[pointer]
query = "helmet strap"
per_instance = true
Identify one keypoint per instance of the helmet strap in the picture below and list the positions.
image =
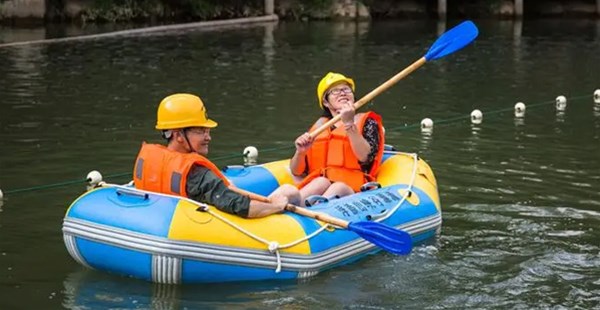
(184, 131)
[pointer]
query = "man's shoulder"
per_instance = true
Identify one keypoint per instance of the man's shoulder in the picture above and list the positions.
(198, 170)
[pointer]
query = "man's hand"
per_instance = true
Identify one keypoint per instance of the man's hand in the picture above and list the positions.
(279, 201)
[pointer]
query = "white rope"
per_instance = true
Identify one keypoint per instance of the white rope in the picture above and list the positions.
(272, 246)
(408, 189)
(316, 232)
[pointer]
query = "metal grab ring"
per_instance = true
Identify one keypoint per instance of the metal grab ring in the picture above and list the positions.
(374, 217)
(203, 208)
(370, 186)
(134, 193)
(314, 199)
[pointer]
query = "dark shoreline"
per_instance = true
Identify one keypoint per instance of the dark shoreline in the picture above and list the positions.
(21, 12)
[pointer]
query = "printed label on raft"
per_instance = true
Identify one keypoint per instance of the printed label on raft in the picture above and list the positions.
(365, 204)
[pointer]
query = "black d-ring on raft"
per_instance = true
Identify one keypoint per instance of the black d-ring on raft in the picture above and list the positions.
(315, 199)
(370, 186)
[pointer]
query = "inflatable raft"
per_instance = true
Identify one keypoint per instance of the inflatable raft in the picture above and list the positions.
(168, 239)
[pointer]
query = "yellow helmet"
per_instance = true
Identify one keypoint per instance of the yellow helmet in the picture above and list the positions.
(182, 111)
(329, 80)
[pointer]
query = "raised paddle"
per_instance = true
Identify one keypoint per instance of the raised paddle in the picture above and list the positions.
(449, 42)
(393, 240)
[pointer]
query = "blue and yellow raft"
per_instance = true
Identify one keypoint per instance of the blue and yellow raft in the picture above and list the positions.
(168, 239)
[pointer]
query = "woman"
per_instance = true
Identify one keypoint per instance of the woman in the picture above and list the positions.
(342, 158)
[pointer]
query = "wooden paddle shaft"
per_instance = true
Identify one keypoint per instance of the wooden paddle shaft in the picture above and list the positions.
(298, 210)
(375, 92)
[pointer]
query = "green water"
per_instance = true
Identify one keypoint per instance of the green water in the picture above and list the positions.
(520, 197)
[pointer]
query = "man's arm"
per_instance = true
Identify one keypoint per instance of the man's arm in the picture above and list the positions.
(206, 187)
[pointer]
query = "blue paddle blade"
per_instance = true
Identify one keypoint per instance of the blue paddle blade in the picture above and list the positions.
(452, 40)
(393, 240)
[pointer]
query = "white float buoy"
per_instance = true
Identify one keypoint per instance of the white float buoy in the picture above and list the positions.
(561, 103)
(520, 109)
(426, 125)
(250, 155)
(1, 195)
(597, 96)
(94, 178)
(476, 117)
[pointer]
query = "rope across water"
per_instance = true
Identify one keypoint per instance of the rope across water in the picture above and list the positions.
(447, 121)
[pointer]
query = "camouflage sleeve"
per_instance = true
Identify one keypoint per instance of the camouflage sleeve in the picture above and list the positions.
(206, 187)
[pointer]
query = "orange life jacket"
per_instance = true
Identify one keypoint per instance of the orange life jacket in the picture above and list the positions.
(331, 154)
(161, 170)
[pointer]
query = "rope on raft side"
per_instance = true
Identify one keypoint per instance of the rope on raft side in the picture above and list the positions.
(408, 189)
(272, 246)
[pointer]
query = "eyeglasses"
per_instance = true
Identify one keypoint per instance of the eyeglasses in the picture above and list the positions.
(338, 91)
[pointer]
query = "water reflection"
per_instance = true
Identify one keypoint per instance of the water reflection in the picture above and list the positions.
(560, 116)
(519, 122)
(441, 27)
(475, 131)
(24, 68)
(85, 289)
(269, 52)
(597, 109)
(350, 29)
(8, 35)
(474, 139)
(516, 214)
(426, 138)
(517, 32)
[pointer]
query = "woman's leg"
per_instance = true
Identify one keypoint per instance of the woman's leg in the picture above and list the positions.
(315, 187)
(289, 191)
(339, 189)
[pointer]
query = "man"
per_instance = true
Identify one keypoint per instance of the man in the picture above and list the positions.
(181, 167)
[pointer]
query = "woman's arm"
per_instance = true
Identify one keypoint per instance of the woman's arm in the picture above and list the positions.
(360, 145)
(371, 134)
(298, 161)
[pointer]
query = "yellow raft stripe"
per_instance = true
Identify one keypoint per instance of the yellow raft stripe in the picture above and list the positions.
(281, 171)
(191, 225)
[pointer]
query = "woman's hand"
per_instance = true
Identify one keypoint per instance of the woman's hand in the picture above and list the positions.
(303, 143)
(347, 113)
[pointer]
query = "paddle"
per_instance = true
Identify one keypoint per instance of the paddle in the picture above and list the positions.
(449, 42)
(393, 240)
